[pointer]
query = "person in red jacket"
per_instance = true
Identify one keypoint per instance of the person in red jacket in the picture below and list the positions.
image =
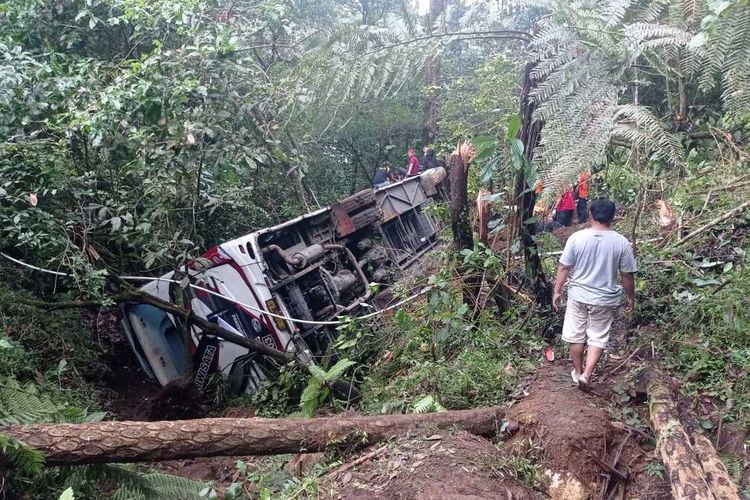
(566, 205)
(413, 163)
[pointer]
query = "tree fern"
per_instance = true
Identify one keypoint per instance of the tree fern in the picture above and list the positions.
(582, 53)
(728, 42)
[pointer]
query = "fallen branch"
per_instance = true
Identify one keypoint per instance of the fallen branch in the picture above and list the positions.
(363, 458)
(140, 297)
(622, 476)
(729, 187)
(104, 442)
(624, 362)
(714, 222)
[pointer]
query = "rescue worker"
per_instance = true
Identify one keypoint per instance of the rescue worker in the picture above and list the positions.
(414, 166)
(592, 259)
(582, 196)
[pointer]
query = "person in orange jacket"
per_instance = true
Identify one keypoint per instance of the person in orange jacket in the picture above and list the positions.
(582, 196)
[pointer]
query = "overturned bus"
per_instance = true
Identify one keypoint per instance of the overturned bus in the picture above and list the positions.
(280, 285)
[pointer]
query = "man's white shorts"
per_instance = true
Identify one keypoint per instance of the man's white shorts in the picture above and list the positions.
(587, 324)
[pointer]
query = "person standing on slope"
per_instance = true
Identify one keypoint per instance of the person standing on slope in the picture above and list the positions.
(592, 259)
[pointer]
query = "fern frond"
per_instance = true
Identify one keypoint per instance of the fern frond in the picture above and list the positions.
(318, 372)
(310, 397)
(652, 133)
(652, 35)
(22, 456)
(131, 484)
(427, 404)
(615, 11)
(338, 369)
(730, 57)
(158, 486)
(655, 10)
(23, 403)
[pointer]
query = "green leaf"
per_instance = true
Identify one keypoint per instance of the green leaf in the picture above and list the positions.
(701, 282)
(308, 401)
(317, 372)
(67, 494)
(338, 369)
(513, 127)
(517, 156)
(699, 40)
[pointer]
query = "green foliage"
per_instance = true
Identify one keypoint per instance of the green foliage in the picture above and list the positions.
(581, 58)
(427, 404)
(19, 454)
(442, 356)
(269, 478)
(276, 396)
(317, 389)
(654, 469)
(130, 482)
(622, 183)
(479, 103)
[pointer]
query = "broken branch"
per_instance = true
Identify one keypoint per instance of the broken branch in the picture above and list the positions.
(714, 222)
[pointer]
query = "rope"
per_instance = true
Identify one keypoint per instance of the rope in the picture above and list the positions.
(232, 299)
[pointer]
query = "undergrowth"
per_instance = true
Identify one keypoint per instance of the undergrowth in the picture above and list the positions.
(50, 364)
(443, 350)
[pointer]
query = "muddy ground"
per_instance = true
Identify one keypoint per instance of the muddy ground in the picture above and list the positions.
(441, 465)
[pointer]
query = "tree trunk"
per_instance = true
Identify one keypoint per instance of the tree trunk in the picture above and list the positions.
(483, 216)
(463, 230)
(103, 442)
(461, 226)
(694, 468)
(432, 78)
(683, 110)
(524, 196)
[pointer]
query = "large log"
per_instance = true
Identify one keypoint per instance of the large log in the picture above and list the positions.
(694, 468)
(103, 442)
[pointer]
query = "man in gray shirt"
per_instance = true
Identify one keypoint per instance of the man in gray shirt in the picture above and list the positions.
(592, 259)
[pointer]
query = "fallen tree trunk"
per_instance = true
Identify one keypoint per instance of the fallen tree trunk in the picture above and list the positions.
(694, 468)
(207, 327)
(103, 442)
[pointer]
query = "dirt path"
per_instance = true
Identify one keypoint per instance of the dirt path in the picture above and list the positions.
(560, 442)
(438, 466)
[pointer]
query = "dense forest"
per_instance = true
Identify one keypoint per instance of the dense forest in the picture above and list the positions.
(137, 135)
